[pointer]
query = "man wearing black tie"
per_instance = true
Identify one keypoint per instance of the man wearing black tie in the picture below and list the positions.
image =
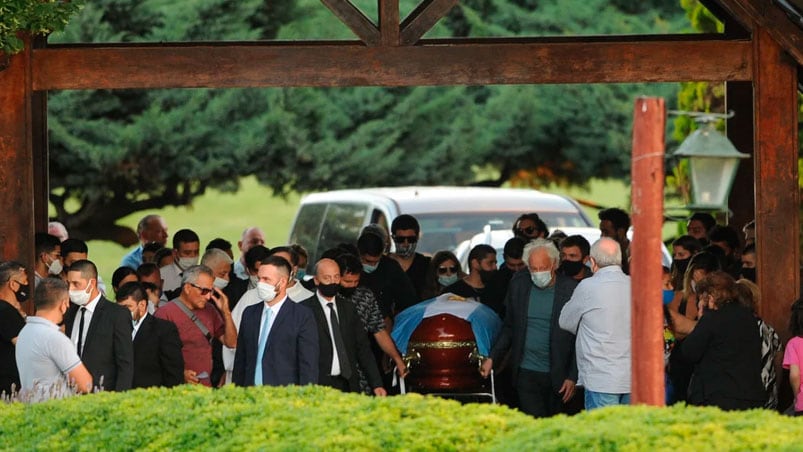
(277, 343)
(342, 341)
(100, 330)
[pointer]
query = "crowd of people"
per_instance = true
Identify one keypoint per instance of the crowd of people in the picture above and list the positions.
(183, 315)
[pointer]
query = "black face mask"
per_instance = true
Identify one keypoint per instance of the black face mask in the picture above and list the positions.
(487, 275)
(571, 268)
(679, 266)
(347, 291)
(328, 290)
(749, 273)
(23, 293)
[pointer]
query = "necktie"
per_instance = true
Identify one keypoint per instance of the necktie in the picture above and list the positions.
(267, 313)
(81, 332)
(345, 366)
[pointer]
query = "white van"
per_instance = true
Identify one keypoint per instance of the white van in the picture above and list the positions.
(448, 215)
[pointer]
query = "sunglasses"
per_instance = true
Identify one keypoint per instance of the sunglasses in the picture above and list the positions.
(405, 239)
(528, 230)
(204, 290)
(444, 270)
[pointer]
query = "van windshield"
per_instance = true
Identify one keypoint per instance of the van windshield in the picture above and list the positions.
(444, 231)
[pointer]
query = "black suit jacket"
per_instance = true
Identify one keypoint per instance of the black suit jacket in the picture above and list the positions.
(157, 354)
(563, 364)
(358, 348)
(108, 351)
(291, 351)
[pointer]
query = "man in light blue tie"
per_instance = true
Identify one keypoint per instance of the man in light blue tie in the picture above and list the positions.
(278, 338)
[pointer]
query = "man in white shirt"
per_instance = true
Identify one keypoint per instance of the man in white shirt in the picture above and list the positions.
(186, 252)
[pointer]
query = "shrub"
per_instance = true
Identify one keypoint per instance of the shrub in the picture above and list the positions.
(305, 418)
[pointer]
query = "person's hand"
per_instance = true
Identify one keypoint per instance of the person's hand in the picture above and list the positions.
(220, 299)
(487, 366)
(401, 368)
(189, 377)
(380, 392)
(567, 390)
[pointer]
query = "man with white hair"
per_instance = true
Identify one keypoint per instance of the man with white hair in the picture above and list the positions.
(599, 315)
(151, 228)
(544, 370)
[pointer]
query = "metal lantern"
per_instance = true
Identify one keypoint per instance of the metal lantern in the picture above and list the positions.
(713, 161)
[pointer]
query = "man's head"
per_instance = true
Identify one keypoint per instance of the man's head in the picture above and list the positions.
(82, 278)
(512, 254)
(605, 252)
(273, 273)
(724, 237)
(614, 223)
(327, 278)
(186, 248)
(542, 259)
(371, 248)
(73, 250)
(405, 232)
(152, 228)
(529, 226)
(482, 261)
(122, 276)
(749, 263)
(380, 232)
(303, 258)
(699, 224)
(220, 263)
(48, 254)
(163, 257)
(684, 247)
(14, 282)
(749, 231)
(51, 296)
(289, 254)
(350, 271)
(574, 253)
(254, 257)
(220, 244)
(57, 229)
(197, 283)
(149, 251)
(148, 273)
(133, 296)
(250, 238)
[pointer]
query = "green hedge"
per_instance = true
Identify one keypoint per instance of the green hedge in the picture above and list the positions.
(317, 418)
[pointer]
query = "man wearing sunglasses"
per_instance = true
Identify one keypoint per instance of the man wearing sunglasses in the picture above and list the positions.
(405, 232)
(199, 322)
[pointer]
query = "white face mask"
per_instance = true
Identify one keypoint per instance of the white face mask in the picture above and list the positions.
(221, 283)
(81, 297)
(541, 279)
(187, 262)
(55, 267)
(265, 291)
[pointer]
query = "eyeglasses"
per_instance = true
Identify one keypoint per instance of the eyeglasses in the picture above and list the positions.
(405, 239)
(204, 290)
(445, 270)
(529, 230)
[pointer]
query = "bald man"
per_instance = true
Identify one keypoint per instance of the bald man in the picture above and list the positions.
(251, 237)
(341, 339)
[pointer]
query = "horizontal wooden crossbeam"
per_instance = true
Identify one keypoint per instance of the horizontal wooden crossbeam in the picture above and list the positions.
(432, 62)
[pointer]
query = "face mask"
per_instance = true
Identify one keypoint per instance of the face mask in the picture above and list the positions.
(447, 280)
(252, 281)
(81, 297)
(134, 318)
(55, 267)
(406, 251)
(487, 275)
(749, 273)
(265, 291)
(328, 290)
(571, 268)
(541, 279)
(679, 266)
(23, 292)
(369, 268)
(694, 286)
(669, 295)
(221, 283)
(347, 291)
(187, 262)
(300, 274)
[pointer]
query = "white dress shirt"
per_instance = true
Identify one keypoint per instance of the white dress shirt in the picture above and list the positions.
(137, 324)
(327, 312)
(90, 309)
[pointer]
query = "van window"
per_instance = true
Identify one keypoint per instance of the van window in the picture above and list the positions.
(343, 224)
(307, 227)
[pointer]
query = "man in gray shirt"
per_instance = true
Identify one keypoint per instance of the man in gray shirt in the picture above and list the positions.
(599, 315)
(46, 358)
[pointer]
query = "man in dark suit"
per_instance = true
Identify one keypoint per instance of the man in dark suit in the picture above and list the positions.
(544, 368)
(277, 343)
(157, 347)
(341, 338)
(100, 330)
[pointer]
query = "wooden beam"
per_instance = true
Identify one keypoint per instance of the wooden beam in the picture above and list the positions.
(16, 163)
(353, 18)
(445, 62)
(739, 99)
(39, 148)
(388, 22)
(768, 16)
(776, 179)
(423, 18)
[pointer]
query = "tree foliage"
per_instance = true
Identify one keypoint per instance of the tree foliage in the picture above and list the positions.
(118, 152)
(37, 17)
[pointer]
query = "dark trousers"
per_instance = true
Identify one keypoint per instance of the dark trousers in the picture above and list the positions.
(336, 382)
(535, 394)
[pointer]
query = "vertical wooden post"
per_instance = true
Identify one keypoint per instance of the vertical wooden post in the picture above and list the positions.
(16, 163)
(39, 146)
(776, 179)
(739, 98)
(647, 318)
(389, 22)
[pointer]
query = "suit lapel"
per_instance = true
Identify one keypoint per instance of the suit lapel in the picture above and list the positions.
(281, 317)
(97, 318)
(144, 329)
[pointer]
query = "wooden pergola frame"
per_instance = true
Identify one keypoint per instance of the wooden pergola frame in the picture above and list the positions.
(757, 57)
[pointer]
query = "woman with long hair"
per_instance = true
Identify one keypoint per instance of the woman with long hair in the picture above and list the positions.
(444, 270)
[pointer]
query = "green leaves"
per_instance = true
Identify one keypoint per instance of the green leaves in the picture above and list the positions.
(37, 17)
